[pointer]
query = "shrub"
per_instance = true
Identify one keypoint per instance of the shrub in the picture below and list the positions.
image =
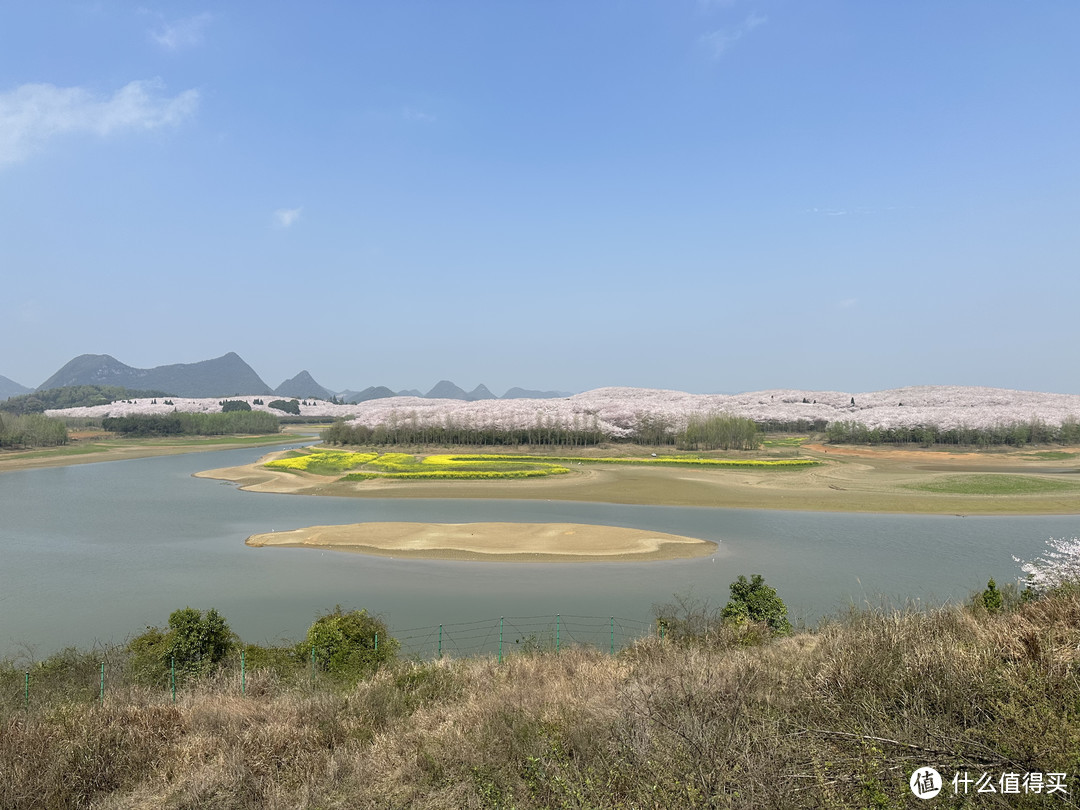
(196, 641)
(687, 619)
(348, 645)
(234, 405)
(754, 601)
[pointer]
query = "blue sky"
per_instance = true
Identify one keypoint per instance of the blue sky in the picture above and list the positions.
(705, 195)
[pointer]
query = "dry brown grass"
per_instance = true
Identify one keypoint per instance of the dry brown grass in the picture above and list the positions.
(837, 717)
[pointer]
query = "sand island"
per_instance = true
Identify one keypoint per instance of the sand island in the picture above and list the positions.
(1016, 481)
(493, 542)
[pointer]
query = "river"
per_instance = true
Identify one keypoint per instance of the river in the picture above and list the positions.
(93, 553)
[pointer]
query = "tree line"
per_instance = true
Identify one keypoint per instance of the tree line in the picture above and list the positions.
(1015, 434)
(31, 430)
(73, 396)
(712, 432)
(450, 433)
(718, 432)
(192, 424)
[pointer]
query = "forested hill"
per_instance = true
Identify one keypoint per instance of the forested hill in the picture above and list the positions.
(221, 377)
(301, 386)
(74, 396)
(10, 388)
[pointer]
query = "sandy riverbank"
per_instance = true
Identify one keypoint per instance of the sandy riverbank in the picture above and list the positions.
(493, 542)
(91, 453)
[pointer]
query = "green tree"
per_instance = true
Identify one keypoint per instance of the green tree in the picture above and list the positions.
(991, 597)
(754, 601)
(349, 644)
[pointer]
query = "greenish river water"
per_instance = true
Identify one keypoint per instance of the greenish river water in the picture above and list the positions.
(95, 552)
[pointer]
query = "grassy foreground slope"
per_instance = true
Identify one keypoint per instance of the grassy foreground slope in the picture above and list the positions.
(835, 718)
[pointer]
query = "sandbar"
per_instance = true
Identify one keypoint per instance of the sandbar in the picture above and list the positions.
(493, 542)
(850, 479)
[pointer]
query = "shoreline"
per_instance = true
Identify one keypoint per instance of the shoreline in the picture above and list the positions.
(94, 451)
(857, 479)
(492, 542)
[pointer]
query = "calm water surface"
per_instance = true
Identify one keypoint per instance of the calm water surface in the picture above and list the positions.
(95, 552)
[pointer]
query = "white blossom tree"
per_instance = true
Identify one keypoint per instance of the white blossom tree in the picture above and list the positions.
(1059, 565)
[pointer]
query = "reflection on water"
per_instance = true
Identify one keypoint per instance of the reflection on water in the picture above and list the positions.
(98, 551)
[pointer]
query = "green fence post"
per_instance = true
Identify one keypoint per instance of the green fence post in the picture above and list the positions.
(172, 676)
(102, 683)
(313, 665)
(243, 675)
(500, 637)
(612, 635)
(440, 641)
(27, 692)
(557, 623)
(376, 642)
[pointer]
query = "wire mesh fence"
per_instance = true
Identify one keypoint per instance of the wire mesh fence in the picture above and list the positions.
(89, 677)
(508, 634)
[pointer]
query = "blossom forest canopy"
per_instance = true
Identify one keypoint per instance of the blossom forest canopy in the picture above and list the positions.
(621, 413)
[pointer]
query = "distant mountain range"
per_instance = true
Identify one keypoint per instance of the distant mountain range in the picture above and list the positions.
(444, 389)
(10, 388)
(229, 375)
(301, 386)
(223, 376)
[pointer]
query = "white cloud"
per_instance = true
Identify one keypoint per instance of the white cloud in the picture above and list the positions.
(33, 113)
(285, 217)
(185, 33)
(847, 303)
(857, 210)
(413, 114)
(718, 42)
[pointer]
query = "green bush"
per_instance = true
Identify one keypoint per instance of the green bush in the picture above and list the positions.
(196, 641)
(754, 601)
(348, 645)
(234, 405)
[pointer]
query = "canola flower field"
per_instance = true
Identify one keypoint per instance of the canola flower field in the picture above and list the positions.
(322, 463)
(366, 466)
